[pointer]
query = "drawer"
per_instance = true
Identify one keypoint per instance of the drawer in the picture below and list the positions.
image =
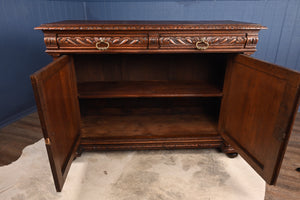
(102, 41)
(202, 41)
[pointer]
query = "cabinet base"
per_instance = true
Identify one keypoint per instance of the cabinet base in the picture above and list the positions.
(100, 144)
(161, 144)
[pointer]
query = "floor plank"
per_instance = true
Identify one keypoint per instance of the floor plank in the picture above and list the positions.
(288, 183)
(16, 136)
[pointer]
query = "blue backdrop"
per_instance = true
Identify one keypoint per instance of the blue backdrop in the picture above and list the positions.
(22, 48)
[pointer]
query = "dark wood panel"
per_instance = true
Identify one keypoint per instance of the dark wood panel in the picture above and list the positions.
(56, 97)
(141, 67)
(257, 113)
(147, 89)
(149, 118)
(147, 126)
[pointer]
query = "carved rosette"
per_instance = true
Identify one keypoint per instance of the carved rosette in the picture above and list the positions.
(190, 42)
(116, 41)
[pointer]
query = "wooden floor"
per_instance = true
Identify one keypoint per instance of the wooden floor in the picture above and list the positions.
(16, 136)
(288, 184)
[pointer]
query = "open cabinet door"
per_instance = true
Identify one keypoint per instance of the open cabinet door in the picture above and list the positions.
(257, 112)
(56, 97)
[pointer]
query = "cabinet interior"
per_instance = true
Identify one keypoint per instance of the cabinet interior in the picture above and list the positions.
(148, 96)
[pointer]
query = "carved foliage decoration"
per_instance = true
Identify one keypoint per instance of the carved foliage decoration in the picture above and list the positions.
(191, 41)
(114, 41)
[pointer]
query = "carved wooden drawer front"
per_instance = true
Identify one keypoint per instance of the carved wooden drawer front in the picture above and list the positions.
(102, 41)
(202, 41)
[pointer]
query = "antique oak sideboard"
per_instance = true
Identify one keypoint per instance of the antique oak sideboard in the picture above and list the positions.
(129, 85)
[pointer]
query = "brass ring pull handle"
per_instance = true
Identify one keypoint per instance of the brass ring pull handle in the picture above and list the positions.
(102, 48)
(202, 41)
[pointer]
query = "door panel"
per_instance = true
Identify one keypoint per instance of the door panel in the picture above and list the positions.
(258, 110)
(56, 97)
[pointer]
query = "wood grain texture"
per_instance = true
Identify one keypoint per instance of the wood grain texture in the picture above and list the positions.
(149, 123)
(257, 113)
(13, 140)
(56, 97)
(149, 118)
(208, 68)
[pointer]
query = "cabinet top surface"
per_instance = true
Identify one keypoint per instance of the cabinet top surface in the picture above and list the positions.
(149, 25)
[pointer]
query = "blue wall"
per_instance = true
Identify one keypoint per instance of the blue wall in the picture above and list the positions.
(22, 48)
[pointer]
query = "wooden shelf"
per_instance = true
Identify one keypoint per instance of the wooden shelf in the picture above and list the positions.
(147, 126)
(148, 121)
(119, 89)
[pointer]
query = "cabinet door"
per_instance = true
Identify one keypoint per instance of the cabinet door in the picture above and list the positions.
(56, 97)
(258, 110)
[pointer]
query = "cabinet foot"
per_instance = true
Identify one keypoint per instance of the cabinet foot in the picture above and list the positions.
(231, 155)
(228, 150)
(78, 152)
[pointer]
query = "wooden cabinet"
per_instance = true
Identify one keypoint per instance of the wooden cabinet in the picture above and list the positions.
(130, 85)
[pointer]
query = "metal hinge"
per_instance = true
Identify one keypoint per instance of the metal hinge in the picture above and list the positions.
(47, 141)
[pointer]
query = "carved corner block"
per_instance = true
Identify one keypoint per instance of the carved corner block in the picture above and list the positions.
(50, 40)
(252, 40)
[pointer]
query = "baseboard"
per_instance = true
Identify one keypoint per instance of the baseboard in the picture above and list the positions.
(17, 116)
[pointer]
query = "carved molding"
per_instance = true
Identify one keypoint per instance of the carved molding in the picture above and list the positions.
(252, 41)
(165, 145)
(70, 41)
(191, 41)
(136, 27)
